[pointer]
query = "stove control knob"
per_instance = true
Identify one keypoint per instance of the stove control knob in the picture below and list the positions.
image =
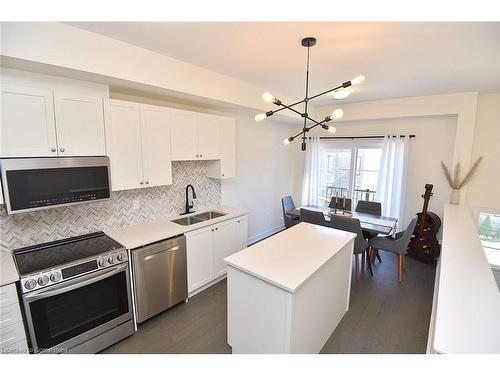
(30, 284)
(111, 260)
(102, 262)
(120, 257)
(55, 277)
(43, 280)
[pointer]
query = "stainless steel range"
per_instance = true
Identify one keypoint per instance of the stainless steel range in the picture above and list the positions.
(76, 294)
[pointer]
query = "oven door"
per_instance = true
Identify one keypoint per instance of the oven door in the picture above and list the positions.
(78, 310)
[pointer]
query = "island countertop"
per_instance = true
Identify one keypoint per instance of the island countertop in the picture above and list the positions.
(290, 257)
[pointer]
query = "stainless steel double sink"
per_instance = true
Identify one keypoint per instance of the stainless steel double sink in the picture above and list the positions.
(198, 218)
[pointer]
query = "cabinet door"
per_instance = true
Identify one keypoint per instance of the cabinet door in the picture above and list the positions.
(155, 135)
(228, 148)
(124, 145)
(242, 229)
(184, 135)
(199, 258)
(79, 125)
(27, 123)
(225, 243)
(208, 137)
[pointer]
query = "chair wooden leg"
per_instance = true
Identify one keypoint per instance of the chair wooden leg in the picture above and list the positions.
(404, 261)
(400, 268)
(373, 254)
(356, 261)
(369, 262)
(363, 261)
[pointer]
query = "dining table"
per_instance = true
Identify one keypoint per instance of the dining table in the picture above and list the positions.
(371, 223)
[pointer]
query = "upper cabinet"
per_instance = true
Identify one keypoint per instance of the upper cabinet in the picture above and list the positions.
(79, 125)
(138, 142)
(28, 124)
(39, 122)
(225, 167)
(195, 136)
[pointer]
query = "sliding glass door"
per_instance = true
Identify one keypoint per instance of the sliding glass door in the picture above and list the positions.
(349, 170)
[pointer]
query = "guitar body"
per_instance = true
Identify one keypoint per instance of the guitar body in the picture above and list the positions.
(424, 245)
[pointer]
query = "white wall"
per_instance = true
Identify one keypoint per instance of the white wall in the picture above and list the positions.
(484, 188)
(434, 142)
(263, 168)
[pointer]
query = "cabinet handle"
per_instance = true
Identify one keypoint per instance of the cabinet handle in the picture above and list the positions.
(147, 182)
(53, 149)
(201, 156)
(197, 155)
(141, 182)
(223, 175)
(216, 228)
(61, 149)
(212, 230)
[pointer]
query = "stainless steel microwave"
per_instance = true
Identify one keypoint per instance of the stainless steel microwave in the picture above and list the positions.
(30, 184)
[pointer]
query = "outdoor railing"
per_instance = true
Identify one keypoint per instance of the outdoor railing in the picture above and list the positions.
(327, 192)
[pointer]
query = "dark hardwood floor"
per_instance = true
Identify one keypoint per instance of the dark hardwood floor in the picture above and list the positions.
(384, 317)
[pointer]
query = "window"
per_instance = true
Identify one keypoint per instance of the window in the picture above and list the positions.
(488, 226)
(350, 170)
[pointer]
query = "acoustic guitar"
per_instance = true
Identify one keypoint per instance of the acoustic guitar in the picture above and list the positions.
(424, 245)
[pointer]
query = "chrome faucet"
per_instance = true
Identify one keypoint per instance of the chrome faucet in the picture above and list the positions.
(189, 205)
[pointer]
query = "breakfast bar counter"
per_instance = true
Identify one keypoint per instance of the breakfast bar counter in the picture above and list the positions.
(287, 294)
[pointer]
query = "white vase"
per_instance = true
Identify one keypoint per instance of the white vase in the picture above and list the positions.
(455, 197)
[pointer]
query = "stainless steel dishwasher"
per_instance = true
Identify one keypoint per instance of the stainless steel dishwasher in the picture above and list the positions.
(160, 276)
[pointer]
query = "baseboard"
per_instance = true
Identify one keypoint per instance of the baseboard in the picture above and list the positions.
(261, 236)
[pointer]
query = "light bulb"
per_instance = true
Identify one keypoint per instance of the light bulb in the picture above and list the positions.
(286, 141)
(260, 117)
(268, 97)
(337, 114)
(341, 93)
(332, 129)
(358, 80)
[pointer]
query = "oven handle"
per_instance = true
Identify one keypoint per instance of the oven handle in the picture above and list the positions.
(83, 281)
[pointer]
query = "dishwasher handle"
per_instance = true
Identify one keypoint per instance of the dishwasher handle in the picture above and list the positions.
(161, 251)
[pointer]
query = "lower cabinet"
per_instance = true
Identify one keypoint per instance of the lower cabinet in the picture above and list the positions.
(207, 247)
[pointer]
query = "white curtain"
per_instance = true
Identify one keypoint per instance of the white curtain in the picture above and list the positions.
(392, 177)
(312, 173)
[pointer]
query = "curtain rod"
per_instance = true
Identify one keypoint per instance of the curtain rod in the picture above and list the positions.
(367, 137)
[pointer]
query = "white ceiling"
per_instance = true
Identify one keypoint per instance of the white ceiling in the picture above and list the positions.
(398, 59)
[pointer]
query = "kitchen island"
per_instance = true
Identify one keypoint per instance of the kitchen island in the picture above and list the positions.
(288, 293)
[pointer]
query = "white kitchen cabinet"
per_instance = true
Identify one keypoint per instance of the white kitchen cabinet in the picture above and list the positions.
(225, 243)
(195, 136)
(123, 136)
(28, 125)
(199, 258)
(79, 125)
(226, 166)
(184, 135)
(138, 138)
(208, 137)
(39, 122)
(155, 136)
(207, 248)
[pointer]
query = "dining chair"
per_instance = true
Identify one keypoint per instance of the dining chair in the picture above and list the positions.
(369, 207)
(361, 245)
(397, 245)
(348, 203)
(287, 205)
(313, 217)
(373, 208)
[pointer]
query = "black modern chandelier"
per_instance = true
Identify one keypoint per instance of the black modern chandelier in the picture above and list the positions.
(339, 92)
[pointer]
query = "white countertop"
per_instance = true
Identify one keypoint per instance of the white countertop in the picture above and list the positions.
(467, 316)
(8, 270)
(147, 232)
(290, 257)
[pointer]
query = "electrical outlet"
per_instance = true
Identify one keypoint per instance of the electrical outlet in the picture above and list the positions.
(135, 204)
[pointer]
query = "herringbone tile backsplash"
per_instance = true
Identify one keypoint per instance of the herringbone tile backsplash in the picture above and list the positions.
(31, 228)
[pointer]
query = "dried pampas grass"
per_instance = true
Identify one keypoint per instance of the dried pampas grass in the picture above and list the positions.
(455, 182)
